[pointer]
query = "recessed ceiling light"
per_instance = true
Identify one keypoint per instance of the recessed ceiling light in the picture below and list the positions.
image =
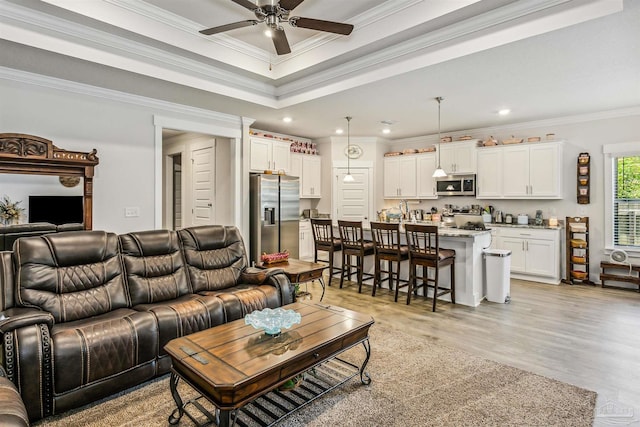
(339, 131)
(504, 111)
(386, 130)
(287, 119)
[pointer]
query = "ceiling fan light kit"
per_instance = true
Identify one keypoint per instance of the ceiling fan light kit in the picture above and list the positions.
(273, 13)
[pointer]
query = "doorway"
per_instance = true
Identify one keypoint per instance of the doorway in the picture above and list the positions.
(176, 192)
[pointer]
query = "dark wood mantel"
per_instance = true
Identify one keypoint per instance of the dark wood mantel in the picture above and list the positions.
(32, 155)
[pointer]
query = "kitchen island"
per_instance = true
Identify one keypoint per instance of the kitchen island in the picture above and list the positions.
(469, 270)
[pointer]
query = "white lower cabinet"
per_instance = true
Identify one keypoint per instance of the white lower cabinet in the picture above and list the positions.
(306, 244)
(535, 253)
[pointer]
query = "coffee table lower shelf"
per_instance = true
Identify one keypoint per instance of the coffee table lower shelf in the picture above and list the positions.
(272, 407)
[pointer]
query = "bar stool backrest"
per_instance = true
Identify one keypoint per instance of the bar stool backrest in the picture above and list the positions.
(351, 234)
(386, 237)
(322, 231)
(423, 240)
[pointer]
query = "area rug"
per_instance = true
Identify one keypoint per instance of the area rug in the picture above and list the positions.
(415, 382)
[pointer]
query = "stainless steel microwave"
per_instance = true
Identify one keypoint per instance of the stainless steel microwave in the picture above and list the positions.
(456, 185)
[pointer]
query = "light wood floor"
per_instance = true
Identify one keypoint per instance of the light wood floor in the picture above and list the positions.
(582, 335)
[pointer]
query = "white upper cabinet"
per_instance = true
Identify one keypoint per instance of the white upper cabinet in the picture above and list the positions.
(545, 170)
(399, 177)
(520, 171)
(515, 171)
(309, 169)
(489, 178)
(425, 182)
(269, 154)
(458, 157)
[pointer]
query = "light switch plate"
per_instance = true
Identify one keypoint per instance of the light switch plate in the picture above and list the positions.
(131, 212)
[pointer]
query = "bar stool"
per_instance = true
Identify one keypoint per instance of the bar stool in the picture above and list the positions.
(353, 245)
(386, 239)
(424, 251)
(325, 241)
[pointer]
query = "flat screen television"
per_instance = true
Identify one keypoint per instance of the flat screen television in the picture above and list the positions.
(56, 209)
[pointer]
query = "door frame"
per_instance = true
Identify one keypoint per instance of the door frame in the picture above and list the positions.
(353, 166)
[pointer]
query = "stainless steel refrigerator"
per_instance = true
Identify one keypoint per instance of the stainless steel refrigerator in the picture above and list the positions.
(274, 204)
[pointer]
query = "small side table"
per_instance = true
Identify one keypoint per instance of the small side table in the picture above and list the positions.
(299, 271)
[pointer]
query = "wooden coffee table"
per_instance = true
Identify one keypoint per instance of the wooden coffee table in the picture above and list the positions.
(299, 271)
(238, 368)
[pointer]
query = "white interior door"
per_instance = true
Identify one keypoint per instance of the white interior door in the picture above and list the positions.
(203, 183)
(352, 198)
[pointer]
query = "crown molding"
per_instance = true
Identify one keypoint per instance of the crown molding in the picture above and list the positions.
(536, 124)
(25, 77)
(420, 47)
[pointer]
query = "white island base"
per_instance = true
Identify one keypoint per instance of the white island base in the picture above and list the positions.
(469, 265)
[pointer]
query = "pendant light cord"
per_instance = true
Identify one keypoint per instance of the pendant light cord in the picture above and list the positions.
(439, 99)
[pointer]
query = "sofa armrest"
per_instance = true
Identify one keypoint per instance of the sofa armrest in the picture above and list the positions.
(19, 317)
(12, 410)
(258, 276)
(270, 276)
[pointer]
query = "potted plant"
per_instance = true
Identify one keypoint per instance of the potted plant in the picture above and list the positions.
(10, 211)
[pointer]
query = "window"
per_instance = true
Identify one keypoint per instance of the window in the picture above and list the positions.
(626, 201)
(622, 196)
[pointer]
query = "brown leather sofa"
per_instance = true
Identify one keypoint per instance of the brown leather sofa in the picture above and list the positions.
(11, 233)
(12, 410)
(87, 313)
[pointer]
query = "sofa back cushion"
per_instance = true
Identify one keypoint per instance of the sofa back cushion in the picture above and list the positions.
(154, 266)
(72, 275)
(215, 256)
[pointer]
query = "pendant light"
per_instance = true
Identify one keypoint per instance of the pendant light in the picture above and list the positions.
(439, 172)
(348, 177)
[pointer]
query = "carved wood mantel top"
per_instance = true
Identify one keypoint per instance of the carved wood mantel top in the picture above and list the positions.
(19, 146)
(33, 155)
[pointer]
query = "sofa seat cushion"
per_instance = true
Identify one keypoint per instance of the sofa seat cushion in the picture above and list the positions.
(243, 299)
(184, 315)
(90, 350)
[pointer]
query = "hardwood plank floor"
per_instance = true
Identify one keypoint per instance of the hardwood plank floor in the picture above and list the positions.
(582, 335)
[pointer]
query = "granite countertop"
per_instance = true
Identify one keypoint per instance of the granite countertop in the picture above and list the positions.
(541, 227)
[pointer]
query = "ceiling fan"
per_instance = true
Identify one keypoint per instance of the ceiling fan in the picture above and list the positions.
(274, 13)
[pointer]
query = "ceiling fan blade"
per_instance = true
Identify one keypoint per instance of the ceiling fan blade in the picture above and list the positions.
(320, 25)
(280, 42)
(290, 4)
(246, 3)
(227, 27)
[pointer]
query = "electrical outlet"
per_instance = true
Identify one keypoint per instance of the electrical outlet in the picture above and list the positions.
(131, 212)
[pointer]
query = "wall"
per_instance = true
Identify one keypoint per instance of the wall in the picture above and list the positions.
(119, 126)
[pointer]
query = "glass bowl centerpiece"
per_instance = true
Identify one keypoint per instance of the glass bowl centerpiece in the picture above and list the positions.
(272, 321)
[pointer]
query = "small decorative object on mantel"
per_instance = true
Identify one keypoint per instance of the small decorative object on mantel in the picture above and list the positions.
(512, 140)
(533, 139)
(69, 181)
(446, 139)
(392, 154)
(427, 150)
(10, 211)
(465, 138)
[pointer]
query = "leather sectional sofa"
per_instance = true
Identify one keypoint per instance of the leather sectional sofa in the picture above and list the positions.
(11, 233)
(87, 313)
